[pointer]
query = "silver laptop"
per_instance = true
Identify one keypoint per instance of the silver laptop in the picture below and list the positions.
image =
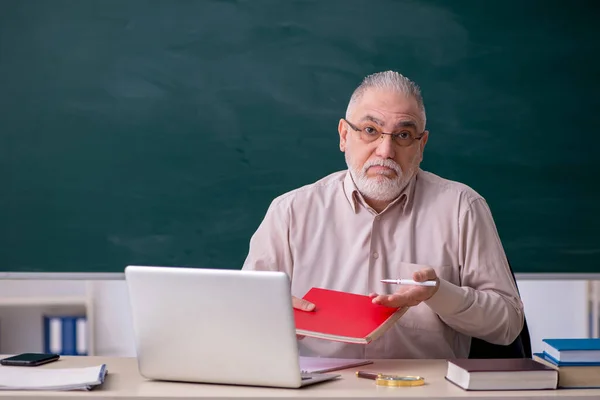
(215, 326)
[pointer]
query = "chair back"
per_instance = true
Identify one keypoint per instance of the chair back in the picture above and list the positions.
(520, 348)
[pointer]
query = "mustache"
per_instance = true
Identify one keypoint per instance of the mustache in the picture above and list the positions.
(383, 163)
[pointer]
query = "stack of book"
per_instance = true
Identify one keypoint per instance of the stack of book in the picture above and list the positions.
(576, 360)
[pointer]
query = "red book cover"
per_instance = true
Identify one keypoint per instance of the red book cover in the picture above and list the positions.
(345, 317)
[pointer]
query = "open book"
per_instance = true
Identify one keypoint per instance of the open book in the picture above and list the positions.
(344, 317)
(27, 378)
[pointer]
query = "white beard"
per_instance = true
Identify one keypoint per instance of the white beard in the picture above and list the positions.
(382, 187)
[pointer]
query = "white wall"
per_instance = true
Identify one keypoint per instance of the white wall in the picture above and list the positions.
(552, 309)
(114, 332)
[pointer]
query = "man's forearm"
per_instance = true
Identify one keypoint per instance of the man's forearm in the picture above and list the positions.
(485, 314)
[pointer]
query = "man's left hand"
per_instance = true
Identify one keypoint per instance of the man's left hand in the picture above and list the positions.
(408, 296)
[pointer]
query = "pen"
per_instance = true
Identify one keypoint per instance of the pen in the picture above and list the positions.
(367, 375)
(409, 282)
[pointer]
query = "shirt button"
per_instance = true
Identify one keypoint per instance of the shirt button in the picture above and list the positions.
(378, 218)
(375, 255)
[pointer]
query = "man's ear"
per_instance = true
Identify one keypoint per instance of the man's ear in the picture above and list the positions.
(423, 142)
(343, 131)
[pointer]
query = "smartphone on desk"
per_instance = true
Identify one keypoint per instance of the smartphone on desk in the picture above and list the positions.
(29, 359)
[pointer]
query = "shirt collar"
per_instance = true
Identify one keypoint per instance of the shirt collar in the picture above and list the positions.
(355, 198)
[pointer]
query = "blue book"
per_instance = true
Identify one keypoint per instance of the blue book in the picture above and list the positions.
(556, 363)
(576, 350)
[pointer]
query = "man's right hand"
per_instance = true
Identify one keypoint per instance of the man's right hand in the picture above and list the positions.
(303, 305)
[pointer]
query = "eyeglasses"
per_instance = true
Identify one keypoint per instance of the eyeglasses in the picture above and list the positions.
(370, 133)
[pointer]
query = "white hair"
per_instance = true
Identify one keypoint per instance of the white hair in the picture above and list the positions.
(388, 80)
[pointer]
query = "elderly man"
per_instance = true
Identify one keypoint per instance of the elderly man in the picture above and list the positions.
(386, 218)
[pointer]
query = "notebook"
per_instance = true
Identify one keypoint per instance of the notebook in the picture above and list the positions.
(344, 317)
(29, 378)
(317, 365)
(501, 374)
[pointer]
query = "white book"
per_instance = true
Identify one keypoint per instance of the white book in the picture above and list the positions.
(317, 365)
(29, 378)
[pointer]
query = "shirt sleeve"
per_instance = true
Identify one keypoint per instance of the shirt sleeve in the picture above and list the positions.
(269, 248)
(487, 304)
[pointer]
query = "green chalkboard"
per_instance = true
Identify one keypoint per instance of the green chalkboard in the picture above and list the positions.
(157, 132)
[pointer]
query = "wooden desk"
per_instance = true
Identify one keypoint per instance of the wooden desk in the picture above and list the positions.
(124, 382)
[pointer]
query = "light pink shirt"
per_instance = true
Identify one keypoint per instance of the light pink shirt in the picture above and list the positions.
(325, 235)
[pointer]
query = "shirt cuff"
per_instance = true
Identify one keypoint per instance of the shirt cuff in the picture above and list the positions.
(449, 299)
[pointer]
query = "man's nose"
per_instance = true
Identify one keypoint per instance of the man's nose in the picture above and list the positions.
(386, 147)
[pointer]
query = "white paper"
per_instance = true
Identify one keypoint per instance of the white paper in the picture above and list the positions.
(314, 365)
(34, 378)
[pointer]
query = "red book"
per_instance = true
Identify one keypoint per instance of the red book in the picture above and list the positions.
(344, 317)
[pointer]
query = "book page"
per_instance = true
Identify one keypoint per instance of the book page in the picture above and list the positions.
(322, 364)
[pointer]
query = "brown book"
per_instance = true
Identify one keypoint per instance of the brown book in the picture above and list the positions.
(573, 376)
(501, 374)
